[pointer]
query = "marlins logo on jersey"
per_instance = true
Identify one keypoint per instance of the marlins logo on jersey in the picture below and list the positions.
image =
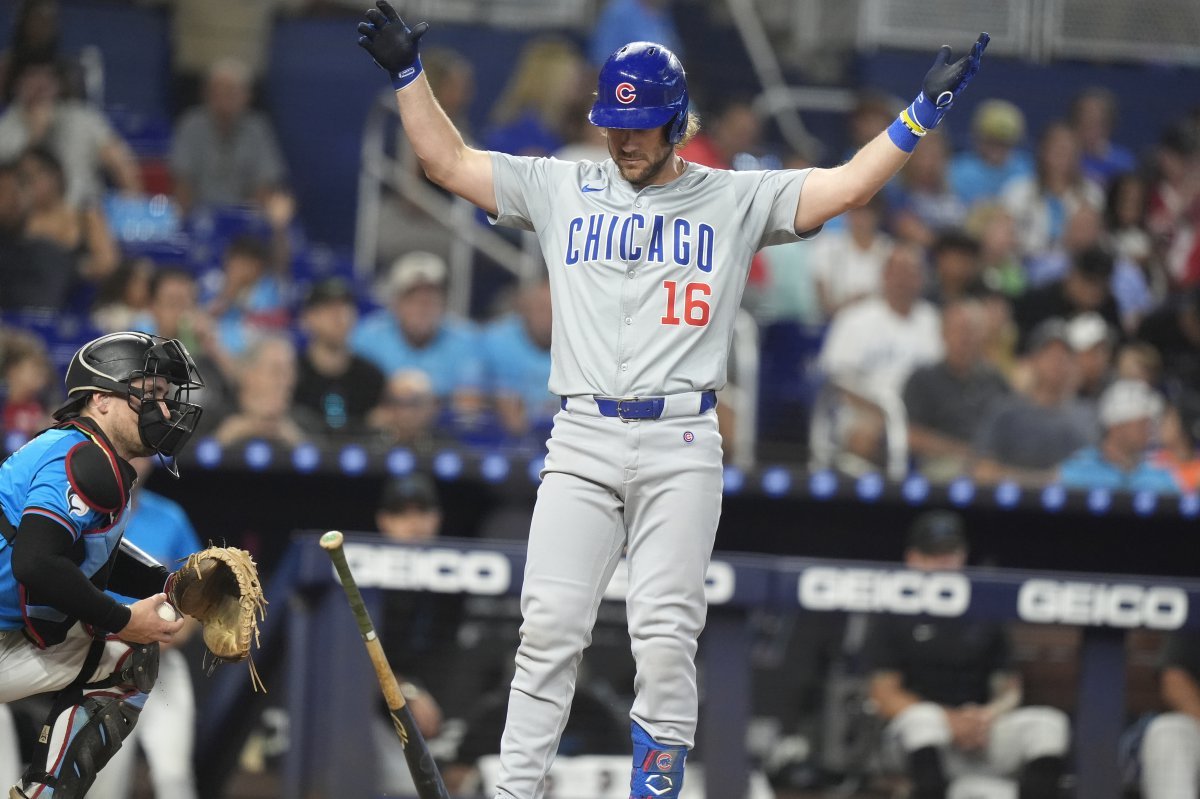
(76, 506)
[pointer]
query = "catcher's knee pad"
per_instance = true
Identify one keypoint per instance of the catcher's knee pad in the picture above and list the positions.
(137, 671)
(141, 669)
(90, 743)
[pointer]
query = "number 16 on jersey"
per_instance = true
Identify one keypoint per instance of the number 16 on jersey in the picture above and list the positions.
(695, 307)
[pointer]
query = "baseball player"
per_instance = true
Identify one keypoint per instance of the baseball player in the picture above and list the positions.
(950, 695)
(648, 255)
(65, 502)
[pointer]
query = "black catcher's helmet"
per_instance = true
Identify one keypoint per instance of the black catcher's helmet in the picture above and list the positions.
(112, 363)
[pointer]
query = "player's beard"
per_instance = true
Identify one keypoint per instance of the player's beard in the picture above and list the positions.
(641, 176)
(126, 436)
(129, 444)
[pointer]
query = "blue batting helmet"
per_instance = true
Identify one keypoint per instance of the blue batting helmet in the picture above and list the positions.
(642, 86)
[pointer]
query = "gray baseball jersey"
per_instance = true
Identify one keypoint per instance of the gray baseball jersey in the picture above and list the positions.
(645, 284)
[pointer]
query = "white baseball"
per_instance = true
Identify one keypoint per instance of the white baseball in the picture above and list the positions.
(167, 613)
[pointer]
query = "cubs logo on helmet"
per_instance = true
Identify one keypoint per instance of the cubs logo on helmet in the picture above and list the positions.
(642, 86)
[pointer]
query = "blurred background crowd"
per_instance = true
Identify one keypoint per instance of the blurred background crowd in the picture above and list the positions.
(1022, 302)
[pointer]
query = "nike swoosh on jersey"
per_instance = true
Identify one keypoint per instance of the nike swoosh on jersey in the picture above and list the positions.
(585, 188)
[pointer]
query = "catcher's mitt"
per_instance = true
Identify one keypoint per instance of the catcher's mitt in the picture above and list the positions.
(219, 587)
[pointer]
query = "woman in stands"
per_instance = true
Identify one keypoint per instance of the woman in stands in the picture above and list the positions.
(69, 244)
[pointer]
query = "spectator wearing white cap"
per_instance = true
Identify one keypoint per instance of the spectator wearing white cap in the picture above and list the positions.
(1129, 412)
(416, 332)
(1094, 343)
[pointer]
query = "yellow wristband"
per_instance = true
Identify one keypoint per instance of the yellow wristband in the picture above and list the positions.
(912, 124)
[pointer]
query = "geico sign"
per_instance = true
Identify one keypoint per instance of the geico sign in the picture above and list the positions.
(446, 571)
(877, 590)
(1159, 607)
(719, 583)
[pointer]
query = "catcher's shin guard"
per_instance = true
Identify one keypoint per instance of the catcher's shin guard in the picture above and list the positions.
(82, 740)
(86, 727)
(657, 768)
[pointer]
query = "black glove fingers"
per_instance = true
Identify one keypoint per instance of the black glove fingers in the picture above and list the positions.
(388, 11)
(390, 42)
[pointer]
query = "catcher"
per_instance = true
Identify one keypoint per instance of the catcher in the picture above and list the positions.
(64, 503)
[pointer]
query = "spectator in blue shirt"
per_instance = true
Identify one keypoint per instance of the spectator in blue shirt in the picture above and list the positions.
(415, 332)
(166, 730)
(517, 352)
(253, 294)
(529, 118)
(625, 21)
(997, 129)
(1129, 410)
(1093, 114)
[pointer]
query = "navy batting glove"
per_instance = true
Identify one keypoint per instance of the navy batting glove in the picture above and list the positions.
(944, 81)
(391, 43)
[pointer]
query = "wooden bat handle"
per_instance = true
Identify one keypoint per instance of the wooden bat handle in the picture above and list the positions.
(425, 774)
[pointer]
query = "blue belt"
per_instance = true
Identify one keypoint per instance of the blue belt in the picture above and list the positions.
(643, 407)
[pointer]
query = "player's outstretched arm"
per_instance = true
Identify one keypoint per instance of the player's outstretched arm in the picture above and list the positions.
(444, 156)
(829, 192)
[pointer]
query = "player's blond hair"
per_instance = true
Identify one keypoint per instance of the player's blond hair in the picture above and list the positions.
(693, 127)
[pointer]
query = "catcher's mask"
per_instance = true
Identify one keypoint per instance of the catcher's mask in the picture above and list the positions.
(642, 86)
(114, 363)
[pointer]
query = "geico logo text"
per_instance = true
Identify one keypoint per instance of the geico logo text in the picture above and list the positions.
(878, 590)
(446, 571)
(1159, 607)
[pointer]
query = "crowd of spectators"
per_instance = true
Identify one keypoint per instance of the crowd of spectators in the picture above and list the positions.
(1000, 295)
(1040, 332)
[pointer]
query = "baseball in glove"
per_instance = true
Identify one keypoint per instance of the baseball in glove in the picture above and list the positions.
(219, 587)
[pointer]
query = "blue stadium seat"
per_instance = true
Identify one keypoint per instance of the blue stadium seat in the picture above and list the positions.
(62, 333)
(219, 225)
(148, 133)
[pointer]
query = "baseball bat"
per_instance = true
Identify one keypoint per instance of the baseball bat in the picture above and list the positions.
(425, 772)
